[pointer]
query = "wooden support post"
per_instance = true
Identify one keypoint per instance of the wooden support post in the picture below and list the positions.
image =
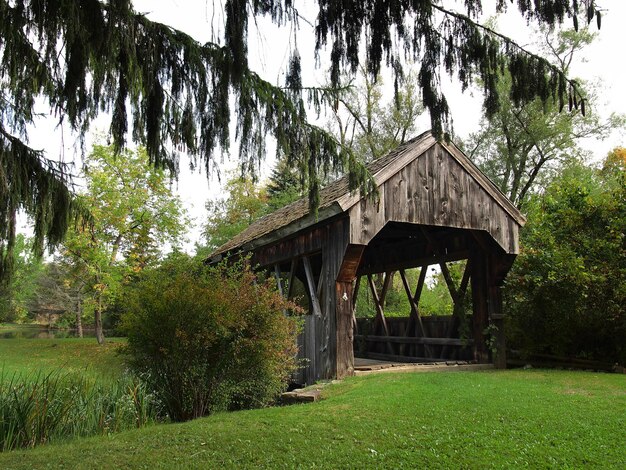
(346, 291)
(480, 305)
(457, 295)
(496, 318)
(414, 317)
(345, 335)
(458, 298)
(279, 284)
(386, 283)
(449, 282)
(355, 295)
(320, 281)
(466, 277)
(310, 281)
(312, 324)
(292, 275)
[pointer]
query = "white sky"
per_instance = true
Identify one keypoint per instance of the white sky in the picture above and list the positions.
(269, 50)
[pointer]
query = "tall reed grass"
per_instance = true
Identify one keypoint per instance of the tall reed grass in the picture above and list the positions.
(41, 408)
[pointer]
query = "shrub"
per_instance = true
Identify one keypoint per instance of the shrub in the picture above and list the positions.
(567, 290)
(209, 339)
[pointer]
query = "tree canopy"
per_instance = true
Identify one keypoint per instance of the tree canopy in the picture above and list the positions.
(521, 147)
(371, 126)
(246, 202)
(134, 212)
(168, 92)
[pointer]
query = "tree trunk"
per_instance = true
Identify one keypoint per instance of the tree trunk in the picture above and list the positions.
(98, 320)
(79, 319)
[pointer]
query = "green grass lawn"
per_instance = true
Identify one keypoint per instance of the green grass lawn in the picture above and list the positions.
(53, 390)
(506, 419)
(68, 355)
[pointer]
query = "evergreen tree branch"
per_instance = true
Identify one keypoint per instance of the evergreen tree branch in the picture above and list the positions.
(85, 57)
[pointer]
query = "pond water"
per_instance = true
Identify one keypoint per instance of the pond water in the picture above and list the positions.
(39, 332)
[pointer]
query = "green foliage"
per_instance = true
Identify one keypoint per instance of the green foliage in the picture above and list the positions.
(132, 204)
(54, 390)
(227, 217)
(134, 213)
(522, 146)
(536, 418)
(434, 300)
(615, 162)
(247, 201)
(33, 184)
(567, 290)
(17, 292)
(209, 339)
(43, 408)
(286, 184)
(370, 125)
(457, 45)
(82, 58)
(56, 291)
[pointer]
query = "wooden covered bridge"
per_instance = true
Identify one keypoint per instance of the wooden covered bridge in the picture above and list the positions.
(434, 207)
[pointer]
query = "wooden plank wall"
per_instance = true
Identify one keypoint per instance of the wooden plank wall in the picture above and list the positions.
(320, 251)
(434, 189)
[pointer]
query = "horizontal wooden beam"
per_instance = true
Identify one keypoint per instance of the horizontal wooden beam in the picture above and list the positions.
(413, 263)
(416, 340)
(305, 243)
(396, 358)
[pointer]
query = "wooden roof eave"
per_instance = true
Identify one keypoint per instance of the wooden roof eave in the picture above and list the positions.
(283, 232)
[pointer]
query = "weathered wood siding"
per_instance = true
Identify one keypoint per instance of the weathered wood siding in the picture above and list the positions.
(434, 189)
(422, 189)
(318, 342)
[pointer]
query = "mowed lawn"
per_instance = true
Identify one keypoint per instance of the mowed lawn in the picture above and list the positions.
(502, 419)
(68, 355)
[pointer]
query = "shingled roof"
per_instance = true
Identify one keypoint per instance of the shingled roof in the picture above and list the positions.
(337, 198)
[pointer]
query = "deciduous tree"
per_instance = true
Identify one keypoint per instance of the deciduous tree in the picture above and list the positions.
(522, 144)
(370, 125)
(16, 292)
(134, 214)
(245, 202)
(567, 290)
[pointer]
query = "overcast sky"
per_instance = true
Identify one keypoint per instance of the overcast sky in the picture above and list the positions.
(269, 50)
